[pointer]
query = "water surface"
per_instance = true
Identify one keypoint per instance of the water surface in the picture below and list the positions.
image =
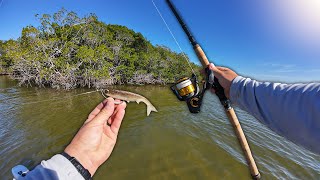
(36, 123)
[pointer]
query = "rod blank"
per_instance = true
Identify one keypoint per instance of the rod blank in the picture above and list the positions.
(230, 111)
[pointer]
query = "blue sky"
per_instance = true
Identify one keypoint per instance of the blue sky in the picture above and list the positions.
(265, 40)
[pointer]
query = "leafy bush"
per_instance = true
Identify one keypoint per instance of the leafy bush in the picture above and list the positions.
(67, 51)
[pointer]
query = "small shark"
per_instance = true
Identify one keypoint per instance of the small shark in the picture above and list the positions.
(129, 96)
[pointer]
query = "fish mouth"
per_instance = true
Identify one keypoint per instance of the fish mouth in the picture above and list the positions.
(104, 92)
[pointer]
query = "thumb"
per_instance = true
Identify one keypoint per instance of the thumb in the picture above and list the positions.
(105, 112)
(216, 71)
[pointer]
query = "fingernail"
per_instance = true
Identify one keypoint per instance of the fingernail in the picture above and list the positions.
(109, 99)
(117, 101)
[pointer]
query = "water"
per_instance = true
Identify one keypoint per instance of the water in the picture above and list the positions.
(36, 123)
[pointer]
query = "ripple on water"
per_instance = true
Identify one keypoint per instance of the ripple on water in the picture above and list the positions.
(170, 144)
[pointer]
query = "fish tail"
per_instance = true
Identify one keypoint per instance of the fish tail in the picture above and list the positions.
(150, 108)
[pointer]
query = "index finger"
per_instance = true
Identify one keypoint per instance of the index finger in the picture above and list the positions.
(118, 117)
(96, 111)
(222, 68)
(218, 71)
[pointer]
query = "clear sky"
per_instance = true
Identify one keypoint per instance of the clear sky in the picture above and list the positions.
(266, 40)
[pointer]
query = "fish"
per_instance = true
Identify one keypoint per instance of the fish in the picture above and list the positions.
(129, 96)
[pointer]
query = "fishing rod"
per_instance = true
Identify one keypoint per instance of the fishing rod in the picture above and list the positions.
(187, 89)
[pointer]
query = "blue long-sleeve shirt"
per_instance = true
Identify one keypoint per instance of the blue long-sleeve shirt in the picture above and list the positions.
(291, 110)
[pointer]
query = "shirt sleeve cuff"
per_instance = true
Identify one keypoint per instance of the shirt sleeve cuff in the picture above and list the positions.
(62, 166)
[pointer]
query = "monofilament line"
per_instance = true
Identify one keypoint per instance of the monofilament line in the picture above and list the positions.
(53, 99)
(173, 36)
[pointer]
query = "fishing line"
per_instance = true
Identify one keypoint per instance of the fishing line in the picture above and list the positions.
(53, 99)
(173, 36)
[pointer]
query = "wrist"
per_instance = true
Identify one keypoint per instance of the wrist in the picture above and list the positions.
(83, 159)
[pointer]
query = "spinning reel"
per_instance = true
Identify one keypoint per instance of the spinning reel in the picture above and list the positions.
(187, 89)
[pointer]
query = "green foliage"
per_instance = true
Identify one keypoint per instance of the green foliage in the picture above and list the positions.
(68, 51)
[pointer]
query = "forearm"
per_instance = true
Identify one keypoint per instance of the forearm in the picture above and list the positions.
(289, 110)
(58, 167)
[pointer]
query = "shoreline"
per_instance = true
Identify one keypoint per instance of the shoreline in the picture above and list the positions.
(78, 87)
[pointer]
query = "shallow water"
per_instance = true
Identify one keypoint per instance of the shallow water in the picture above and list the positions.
(36, 123)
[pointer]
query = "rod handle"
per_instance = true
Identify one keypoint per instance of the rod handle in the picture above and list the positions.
(243, 142)
(201, 55)
(234, 121)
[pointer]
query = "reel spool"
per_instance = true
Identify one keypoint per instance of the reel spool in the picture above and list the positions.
(187, 89)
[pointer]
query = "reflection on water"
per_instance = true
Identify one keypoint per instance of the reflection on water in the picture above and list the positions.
(36, 123)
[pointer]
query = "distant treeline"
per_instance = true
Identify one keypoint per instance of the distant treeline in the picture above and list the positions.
(67, 51)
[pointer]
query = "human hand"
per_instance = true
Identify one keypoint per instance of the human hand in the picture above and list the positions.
(95, 140)
(225, 77)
